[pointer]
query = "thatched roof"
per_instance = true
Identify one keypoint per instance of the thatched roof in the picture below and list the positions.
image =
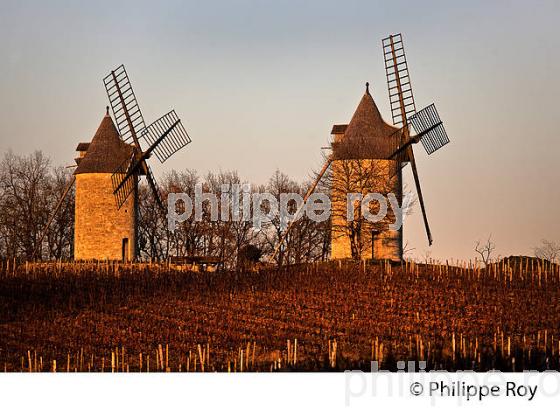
(106, 151)
(367, 135)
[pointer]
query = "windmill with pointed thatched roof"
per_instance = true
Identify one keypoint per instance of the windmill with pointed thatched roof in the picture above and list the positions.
(368, 156)
(361, 165)
(102, 230)
(108, 172)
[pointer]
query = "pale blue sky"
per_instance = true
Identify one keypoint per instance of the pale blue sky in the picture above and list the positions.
(259, 84)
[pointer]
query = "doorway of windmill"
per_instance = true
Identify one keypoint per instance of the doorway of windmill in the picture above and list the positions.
(374, 234)
(125, 250)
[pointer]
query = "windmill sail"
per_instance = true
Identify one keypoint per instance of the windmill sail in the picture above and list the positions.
(175, 139)
(155, 190)
(402, 104)
(128, 117)
(429, 126)
(401, 98)
(123, 177)
(165, 136)
(429, 130)
(123, 185)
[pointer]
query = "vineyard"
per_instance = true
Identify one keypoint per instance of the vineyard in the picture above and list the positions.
(332, 316)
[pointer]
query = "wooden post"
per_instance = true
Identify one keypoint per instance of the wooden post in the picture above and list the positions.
(160, 357)
(201, 358)
(453, 345)
(241, 360)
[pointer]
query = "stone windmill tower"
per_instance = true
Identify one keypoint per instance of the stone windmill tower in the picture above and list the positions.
(368, 156)
(103, 230)
(108, 172)
(360, 164)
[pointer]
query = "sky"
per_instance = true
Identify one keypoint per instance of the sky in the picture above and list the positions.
(259, 84)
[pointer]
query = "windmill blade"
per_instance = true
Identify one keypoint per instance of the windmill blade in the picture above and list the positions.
(175, 136)
(123, 184)
(420, 196)
(402, 105)
(429, 129)
(122, 181)
(56, 209)
(128, 117)
(154, 187)
(401, 98)
(308, 193)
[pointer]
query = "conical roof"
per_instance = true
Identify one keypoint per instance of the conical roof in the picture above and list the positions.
(367, 135)
(106, 151)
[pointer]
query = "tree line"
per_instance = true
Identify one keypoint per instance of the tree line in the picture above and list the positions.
(30, 187)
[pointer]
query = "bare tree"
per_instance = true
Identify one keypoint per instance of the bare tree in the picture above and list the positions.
(60, 235)
(153, 237)
(427, 256)
(359, 176)
(485, 250)
(308, 240)
(188, 238)
(29, 189)
(228, 235)
(271, 233)
(549, 250)
(222, 238)
(407, 249)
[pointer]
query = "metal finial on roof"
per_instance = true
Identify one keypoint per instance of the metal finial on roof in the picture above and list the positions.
(367, 87)
(107, 107)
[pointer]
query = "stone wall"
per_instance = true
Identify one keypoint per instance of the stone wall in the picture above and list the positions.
(99, 226)
(364, 176)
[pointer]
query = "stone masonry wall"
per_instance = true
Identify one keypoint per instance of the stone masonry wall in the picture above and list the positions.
(99, 226)
(387, 243)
